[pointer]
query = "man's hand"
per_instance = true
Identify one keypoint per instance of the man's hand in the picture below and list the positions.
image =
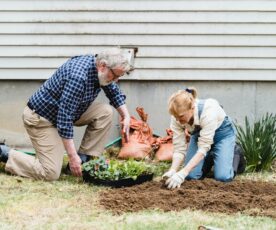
(75, 165)
(169, 174)
(176, 180)
(74, 159)
(125, 128)
(123, 111)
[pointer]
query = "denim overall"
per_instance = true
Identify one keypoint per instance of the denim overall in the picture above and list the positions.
(222, 150)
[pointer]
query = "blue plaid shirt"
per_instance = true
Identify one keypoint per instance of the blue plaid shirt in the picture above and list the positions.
(64, 97)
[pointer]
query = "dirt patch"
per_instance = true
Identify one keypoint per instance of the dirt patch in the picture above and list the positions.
(249, 197)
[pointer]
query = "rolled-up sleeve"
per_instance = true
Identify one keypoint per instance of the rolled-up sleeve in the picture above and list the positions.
(69, 102)
(179, 142)
(114, 94)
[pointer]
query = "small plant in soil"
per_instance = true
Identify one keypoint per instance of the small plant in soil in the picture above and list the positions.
(112, 169)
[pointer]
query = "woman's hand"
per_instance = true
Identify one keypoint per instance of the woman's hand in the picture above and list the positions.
(176, 180)
(169, 174)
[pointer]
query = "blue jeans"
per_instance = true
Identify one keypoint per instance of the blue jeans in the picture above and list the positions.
(222, 150)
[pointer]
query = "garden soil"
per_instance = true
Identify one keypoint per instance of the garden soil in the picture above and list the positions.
(248, 197)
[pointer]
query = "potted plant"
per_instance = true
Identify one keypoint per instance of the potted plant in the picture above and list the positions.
(116, 173)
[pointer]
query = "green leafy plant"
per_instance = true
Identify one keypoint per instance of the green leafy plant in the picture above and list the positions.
(159, 168)
(105, 169)
(258, 142)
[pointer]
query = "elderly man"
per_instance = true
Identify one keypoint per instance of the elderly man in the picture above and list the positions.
(67, 99)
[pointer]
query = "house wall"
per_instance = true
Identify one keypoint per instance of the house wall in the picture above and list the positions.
(227, 49)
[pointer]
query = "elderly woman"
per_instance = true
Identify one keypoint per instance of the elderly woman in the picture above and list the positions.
(212, 132)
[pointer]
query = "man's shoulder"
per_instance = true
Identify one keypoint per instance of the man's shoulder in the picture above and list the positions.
(82, 65)
(83, 59)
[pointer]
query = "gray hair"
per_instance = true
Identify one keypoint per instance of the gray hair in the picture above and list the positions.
(115, 57)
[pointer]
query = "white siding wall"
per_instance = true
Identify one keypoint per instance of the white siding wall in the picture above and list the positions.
(177, 40)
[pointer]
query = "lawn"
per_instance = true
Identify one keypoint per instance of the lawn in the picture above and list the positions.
(70, 204)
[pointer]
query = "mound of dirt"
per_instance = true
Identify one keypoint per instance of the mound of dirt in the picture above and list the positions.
(248, 197)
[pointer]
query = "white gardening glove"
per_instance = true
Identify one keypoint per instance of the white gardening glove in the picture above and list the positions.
(176, 180)
(169, 174)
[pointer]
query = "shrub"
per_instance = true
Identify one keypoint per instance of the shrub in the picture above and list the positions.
(258, 142)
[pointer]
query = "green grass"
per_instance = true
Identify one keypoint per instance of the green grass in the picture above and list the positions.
(70, 204)
(264, 176)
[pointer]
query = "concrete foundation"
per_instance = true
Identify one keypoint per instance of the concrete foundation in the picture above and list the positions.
(239, 99)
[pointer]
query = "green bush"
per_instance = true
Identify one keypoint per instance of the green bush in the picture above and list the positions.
(258, 142)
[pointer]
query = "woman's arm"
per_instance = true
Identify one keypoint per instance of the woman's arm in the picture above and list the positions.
(179, 147)
(192, 163)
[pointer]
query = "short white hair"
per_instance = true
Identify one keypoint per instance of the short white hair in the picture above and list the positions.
(116, 57)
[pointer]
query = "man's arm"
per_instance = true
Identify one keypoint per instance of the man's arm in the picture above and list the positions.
(74, 159)
(123, 111)
(71, 97)
(117, 100)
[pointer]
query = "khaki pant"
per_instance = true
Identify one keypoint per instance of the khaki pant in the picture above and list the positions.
(48, 145)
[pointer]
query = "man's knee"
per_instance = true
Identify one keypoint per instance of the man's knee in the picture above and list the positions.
(106, 117)
(107, 111)
(51, 175)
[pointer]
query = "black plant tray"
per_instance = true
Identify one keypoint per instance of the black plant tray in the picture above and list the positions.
(117, 183)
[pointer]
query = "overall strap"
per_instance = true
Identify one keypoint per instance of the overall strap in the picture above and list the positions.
(200, 107)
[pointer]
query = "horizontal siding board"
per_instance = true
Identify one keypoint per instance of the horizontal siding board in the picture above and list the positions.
(143, 51)
(136, 28)
(137, 5)
(204, 74)
(205, 63)
(176, 40)
(152, 63)
(139, 40)
(47, 51)
(222, 75)
(124, 17)
(32, 63)
(200, 52)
